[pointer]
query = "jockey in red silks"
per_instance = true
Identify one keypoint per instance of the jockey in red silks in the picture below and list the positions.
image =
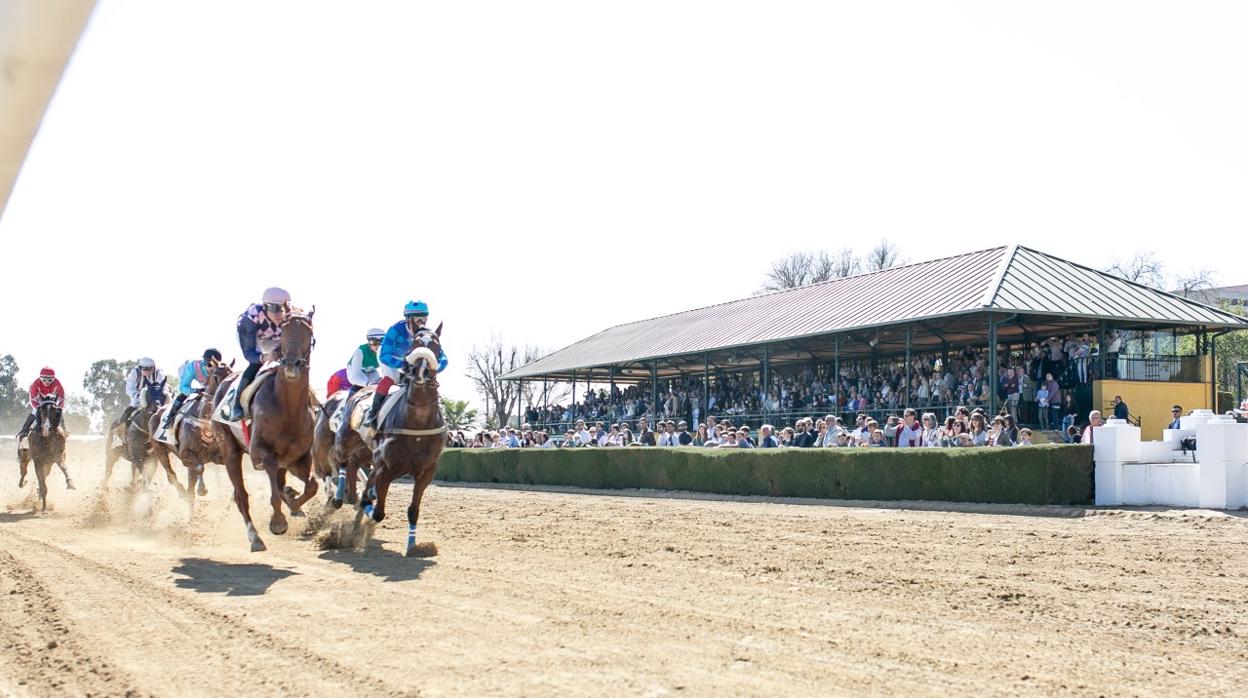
(337, 382)
(46, 385)
(394, 349)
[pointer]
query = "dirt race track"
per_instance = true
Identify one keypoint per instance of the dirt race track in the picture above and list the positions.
(538, 593)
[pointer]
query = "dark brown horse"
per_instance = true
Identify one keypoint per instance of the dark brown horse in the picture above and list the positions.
(47, 446)
(281, 430)
(197, 439)
(132, 441)
(409, 439)
(340, 456)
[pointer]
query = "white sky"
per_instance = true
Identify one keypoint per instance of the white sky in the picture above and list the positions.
(548, 169)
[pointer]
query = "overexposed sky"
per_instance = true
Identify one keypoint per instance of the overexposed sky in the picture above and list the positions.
(545, 170)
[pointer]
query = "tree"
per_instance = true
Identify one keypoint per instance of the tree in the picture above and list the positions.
(1144, 268)
(798, 269)
(77, 414)
(1193, 284)
(486, 366)
(457, 414)
(14, 400)
(105, 383)
(845, 263)
(883, 256)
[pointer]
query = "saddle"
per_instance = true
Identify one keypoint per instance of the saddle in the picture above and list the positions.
(170, 435)
(361, 410)
(222, 412)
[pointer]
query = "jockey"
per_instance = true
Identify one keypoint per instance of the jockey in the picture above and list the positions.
(192, 372)
(394, 350)
(259, 331)
(144, 376)
(44, 386)
(337, 382)
(363, 369)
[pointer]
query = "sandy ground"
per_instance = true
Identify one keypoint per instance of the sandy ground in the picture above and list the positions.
(556, 592)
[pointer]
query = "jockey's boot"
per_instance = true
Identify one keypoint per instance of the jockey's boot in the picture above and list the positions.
(378, 399)
(30, 419)
(236, 413)
(173, 411)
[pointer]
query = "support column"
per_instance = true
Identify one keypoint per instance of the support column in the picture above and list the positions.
(654, 388)
(1102, 357)
(574, 396)
(909, 368)
(993, 381)
(706, 386)
(611, 375)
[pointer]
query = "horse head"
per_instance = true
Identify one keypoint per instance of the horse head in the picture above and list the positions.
(45, 413)
(422, 360)
(297, 344)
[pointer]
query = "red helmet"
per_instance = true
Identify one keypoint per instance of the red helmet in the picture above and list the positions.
(46, 372)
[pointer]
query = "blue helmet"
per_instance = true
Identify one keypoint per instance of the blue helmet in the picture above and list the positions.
(415, 309)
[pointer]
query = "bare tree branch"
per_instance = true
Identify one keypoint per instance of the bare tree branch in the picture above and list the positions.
(1143, 268)
(883, 256)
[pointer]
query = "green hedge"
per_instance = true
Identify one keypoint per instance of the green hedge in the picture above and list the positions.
(1055, 474)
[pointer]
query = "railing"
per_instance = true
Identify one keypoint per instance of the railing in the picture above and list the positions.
(1181, 369)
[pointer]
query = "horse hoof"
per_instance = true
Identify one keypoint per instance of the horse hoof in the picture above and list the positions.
(257, 546)
(21, 483)
(297, 513)
(278, 526)
(335, 503)
(202, 491)
(69, 485)
(290, 492)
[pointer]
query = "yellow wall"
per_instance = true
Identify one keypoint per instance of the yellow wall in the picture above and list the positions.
(1150, 401)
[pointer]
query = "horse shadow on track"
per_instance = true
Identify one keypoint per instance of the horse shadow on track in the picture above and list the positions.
(212, 577)
(11, 516)
(379, 562)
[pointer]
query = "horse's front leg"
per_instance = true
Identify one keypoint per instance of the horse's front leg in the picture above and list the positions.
(302, 469)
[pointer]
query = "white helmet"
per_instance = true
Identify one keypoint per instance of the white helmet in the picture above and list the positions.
(375, 333)
(275, 296)
(146, 363)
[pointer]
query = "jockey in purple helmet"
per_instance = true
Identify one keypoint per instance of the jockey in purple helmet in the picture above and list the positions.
(394, 349)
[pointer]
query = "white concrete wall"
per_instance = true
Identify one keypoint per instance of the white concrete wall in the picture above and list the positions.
(1215, 476)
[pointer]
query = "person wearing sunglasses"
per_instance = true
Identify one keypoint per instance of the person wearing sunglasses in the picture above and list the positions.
(46, 385)
(394, 349)
(363, 367)
(193, 372)
(259, 331)
(144, 376)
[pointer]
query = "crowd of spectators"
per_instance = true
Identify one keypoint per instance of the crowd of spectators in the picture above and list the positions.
(1034, 385)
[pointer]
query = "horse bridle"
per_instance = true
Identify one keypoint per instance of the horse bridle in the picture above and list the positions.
(299, 362)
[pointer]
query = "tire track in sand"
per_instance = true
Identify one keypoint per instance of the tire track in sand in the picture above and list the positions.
(197, 650)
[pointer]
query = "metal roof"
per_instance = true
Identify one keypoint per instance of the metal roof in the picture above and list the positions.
(1007, 279)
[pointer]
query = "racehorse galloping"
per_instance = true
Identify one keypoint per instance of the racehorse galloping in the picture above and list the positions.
(281, 430)
(47, 446)
(410, 438)
(135, 444)
(340, 456)
(197, 442)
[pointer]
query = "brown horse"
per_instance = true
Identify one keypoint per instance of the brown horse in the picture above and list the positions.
(281, 430)
(197, 439)
(340, 456)
(409, 439)
(132, 441)
(47, 446)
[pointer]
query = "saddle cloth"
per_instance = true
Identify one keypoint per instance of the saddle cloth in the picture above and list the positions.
(170, 435)
(364, 406)
(222, 413)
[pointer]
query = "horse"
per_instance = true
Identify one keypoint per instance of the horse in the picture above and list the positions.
(281, 430)
(197, 443)
(340, 456)
(136, 444)
(410, 439)
(46, 446)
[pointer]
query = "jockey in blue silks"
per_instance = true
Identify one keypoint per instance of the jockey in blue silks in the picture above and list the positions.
(192, 372)
(394, 350)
